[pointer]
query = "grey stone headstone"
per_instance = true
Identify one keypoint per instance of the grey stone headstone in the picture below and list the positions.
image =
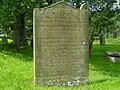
(61, 50)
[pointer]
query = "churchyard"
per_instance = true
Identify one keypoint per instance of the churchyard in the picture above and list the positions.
(60, 45)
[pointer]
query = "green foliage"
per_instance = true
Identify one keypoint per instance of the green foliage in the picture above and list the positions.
(102, 13)
(9, 9)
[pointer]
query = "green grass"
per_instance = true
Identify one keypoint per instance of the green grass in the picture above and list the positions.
(110, 41)
(16, 69)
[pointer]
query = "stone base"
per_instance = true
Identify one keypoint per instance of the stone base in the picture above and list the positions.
(68, 83)
(54, 82)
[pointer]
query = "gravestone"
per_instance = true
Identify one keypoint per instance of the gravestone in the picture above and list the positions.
(4, 40)
(115, 34)
(61, 50)
(102, 38)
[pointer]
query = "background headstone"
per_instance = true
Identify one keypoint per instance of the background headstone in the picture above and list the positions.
(115, 34)
(4, 40)
(61, 50)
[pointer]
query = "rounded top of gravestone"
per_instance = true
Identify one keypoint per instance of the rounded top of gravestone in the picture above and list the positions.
(84, 6)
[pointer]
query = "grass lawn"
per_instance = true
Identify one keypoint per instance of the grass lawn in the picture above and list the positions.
(16, 69)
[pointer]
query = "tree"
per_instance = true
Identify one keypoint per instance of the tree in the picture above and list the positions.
(101, 13)
(15, 15)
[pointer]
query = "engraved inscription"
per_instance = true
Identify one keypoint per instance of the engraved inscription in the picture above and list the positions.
(60, 39)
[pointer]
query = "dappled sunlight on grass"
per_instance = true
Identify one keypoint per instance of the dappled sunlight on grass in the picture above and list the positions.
(16, 73)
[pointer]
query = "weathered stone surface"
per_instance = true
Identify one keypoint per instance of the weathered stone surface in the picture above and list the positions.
(113, 57)
(61, 50)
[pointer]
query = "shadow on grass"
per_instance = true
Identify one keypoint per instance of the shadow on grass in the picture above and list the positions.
(25, 54)
(99, 81)
(98, 60)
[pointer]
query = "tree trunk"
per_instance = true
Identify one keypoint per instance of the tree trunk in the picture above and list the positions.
(50, 2)
(23, 30)
(13, 28)
(91, 39)
(31, 43)
(77, 3)
(19, 31)
(17, 34)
